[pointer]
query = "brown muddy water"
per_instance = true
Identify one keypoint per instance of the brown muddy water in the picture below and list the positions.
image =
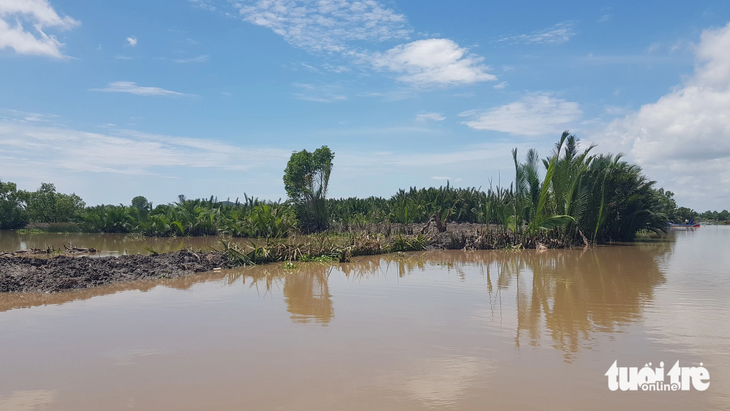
(108, 244)
(437, 330)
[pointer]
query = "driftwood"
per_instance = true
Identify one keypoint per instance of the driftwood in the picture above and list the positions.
(76, 250)
(436, 219)
(30, 251)
(47, 251)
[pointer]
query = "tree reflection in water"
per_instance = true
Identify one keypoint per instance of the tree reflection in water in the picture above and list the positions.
(307, 296)
(567, 296)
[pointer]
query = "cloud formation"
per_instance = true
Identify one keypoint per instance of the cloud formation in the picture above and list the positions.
(198, 59)
(683, 139)
(328, 93)
(559, 33)
(203, 4)
(132, 41)
(79, 160)
(131, 87)
(430, 117)
(124, 151)
(341, 26)
(15, 15)
(325, 25)
(433, 62)
(532, 115)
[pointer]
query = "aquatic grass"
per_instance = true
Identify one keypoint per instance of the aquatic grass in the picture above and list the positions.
(31, 231)
(402, 244)
(319, 259)
(290, 266)
(319, 248)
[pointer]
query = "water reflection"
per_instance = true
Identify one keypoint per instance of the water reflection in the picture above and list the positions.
(438, 382)
(307, 296)
(573, 295)
(107, 244)
(563, 297)
(436, 330)
(28, 400)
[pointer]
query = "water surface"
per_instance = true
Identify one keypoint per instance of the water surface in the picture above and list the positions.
(436, 330)
(107, 244)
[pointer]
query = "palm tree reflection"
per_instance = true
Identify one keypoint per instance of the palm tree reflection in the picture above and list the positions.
(307, 296)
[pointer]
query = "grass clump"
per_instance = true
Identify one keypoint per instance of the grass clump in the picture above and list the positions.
(320, 248)
(306, 258)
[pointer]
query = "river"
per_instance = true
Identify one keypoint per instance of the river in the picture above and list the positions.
(508, 330)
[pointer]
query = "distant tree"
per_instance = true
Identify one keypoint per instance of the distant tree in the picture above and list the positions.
(666, 202)
(723, 215)
(684, 213)
(12, 206)
(48, 206)
(306, 179)
(142, 205)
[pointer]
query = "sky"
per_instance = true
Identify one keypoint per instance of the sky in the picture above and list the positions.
(112, 99)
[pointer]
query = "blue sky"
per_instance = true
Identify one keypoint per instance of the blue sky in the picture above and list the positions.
(116, 99)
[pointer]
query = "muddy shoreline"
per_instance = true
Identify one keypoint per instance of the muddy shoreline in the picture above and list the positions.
(62, 273)
(42, 271)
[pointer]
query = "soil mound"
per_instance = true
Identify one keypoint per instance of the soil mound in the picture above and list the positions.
(30, 274)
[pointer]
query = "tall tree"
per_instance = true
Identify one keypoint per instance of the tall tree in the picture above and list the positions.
(12, 206)
(306, 180)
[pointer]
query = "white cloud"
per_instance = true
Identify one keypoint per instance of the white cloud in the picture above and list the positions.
(203, 4)
(449, 179)
(304, 86)
(430, 117)
(328, 93)
(316, 99)
(433, 62)
(616, 110)
(341, 26)
(393, 95)
(110, 165)
(683, 139)
(26, 117)
(559, 33)
(533, 115)
(15, 15)
(125, 152)
(325, 25)
(115, 165)
(198, 59)
(132, 41)
(500, 86)
(336, 69)
(132, 88)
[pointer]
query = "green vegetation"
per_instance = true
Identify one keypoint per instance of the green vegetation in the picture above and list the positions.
(12, 210)
(321, 247)
(599, 197)
(573, 196)
(306, 180)
(45, 206)
(684, 213)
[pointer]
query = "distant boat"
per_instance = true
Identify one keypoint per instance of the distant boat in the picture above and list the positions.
(672, 225)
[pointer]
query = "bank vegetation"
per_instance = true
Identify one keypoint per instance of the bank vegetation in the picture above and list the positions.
(573, 196)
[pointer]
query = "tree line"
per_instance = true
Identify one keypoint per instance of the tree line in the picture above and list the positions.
(572, 191)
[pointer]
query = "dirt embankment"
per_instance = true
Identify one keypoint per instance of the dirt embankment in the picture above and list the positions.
(29, 274)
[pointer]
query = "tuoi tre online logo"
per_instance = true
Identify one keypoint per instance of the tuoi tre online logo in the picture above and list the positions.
(648, 379)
